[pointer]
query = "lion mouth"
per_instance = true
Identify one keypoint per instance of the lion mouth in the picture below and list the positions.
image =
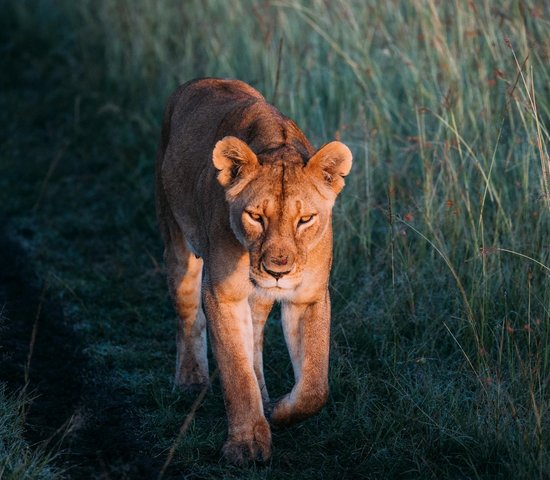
(270, 283)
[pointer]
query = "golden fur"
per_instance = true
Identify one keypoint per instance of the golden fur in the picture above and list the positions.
(244, 205)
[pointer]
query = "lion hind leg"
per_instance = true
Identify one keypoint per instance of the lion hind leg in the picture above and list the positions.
(184, 278)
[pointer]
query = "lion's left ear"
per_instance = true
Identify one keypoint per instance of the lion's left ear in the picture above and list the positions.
(233, 158)
(333, 162)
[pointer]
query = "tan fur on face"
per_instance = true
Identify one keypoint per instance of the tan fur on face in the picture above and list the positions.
(240, 186)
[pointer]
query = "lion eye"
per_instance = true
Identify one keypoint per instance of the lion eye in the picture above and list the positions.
(254, 216)
(305, 219)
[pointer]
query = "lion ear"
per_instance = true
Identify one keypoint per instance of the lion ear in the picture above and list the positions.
(233, 158)
(331, 162)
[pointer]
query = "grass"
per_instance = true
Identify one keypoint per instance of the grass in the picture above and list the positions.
(440, 286)
(17, 459)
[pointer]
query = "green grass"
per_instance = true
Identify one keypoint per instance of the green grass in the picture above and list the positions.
(440, 286)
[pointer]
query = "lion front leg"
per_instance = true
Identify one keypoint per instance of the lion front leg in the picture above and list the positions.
(231, 329)
(260, 307)
(307, 334)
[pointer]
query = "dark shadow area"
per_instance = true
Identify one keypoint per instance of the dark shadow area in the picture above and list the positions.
(90, 421)
(55, 362)
(76, 408)
(37, 346)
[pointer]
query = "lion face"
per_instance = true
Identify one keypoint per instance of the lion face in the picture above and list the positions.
(280, 209)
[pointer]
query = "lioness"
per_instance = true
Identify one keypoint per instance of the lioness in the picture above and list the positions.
(245, 205)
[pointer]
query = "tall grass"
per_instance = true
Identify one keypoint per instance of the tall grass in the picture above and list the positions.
(441, 287)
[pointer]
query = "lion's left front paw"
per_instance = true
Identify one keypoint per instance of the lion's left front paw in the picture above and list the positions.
(256, 447)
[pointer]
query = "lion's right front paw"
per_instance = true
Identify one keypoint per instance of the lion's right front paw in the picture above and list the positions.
(242, 449)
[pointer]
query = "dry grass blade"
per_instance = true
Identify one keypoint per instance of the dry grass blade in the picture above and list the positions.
(186, 424)
(49, 173)
(34, 333)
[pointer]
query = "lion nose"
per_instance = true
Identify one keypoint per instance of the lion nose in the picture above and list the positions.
(280, 260)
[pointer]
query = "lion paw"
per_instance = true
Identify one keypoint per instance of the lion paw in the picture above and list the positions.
(280, 412)
(294, 408)
(242, 449)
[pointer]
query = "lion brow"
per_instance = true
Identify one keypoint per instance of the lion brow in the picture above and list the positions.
(271, 150)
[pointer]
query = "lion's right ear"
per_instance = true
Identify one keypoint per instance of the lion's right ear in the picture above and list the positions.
(332, 162)
(233, 158)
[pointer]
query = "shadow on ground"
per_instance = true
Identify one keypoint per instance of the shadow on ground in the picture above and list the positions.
(88, 420)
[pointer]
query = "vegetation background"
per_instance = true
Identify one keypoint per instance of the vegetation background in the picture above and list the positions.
(441, 287)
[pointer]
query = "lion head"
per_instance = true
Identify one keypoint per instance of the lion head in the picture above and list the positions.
(279, 206)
